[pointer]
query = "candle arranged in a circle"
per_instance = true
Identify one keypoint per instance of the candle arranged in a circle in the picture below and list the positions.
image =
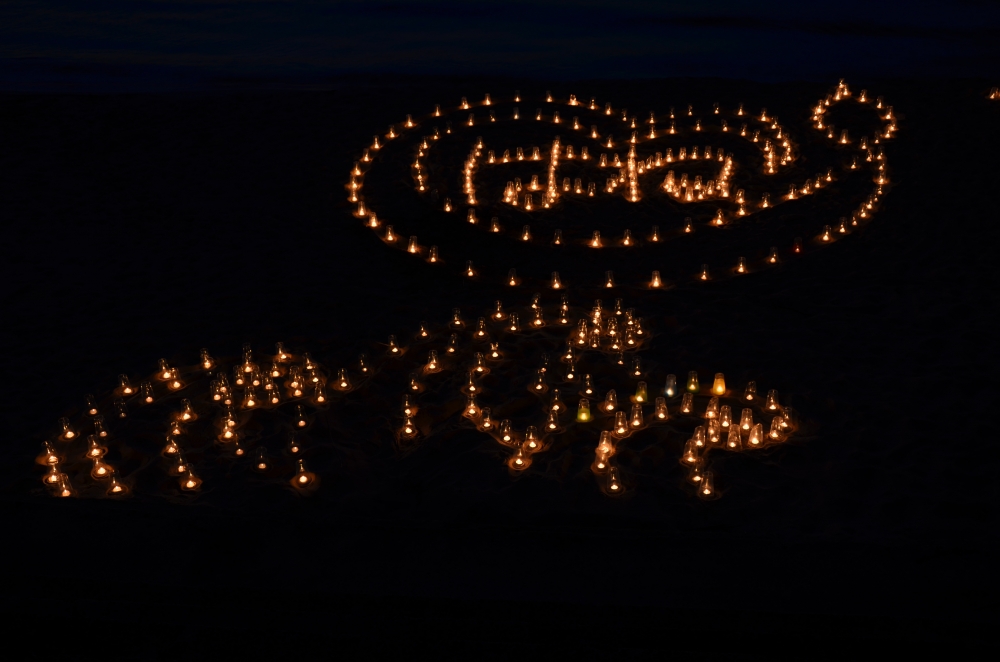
(590, 150)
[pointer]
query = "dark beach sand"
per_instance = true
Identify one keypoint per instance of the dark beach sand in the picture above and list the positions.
(145, 226)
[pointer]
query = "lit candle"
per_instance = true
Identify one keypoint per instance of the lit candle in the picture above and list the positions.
(408, 408)
(94, 448)
(687, 403)
(670, 388)
(303, 478)
(116, 488)
(100, 469)
(520, 460)
(734, 441)
(706, 487)
(67, 432)
(506, 435)
(713, 431)
(260, 461)
(48, 456)
(190, 482)
(600, 460)
(614, 482)
(621, 424)
(53, 476)
(65, 489)
(776, 432)
(471, 408)
(725, 416)
(636, 418)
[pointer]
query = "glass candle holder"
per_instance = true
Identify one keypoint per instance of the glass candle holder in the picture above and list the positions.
(471, 409)
(408, 429)
(506, 434)
(734, 440)
(687, 403)
(520, 460)
(725, 416)
(670, 389)
(713, 432)
(776, 433)
(532, 441)
(552, 423)
(189, 481)
(303, 478)
(606, 444)
(621, 427)
(692, 383)
(706, 487)
(635, 420)
(614, 481)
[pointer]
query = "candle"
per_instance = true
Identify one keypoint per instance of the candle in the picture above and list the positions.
(636, 417)
(614, 482)
(670, 389)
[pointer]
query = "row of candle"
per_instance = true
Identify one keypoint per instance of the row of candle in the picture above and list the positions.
(602, 322)
(687, 191)
(827, 235)
(606, 330)
(632, 167)
(304, 383)
(630, 170)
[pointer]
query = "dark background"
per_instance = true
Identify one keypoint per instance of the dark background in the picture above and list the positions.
(156, 159)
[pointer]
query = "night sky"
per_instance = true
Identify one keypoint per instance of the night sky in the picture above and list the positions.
(118, 46)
